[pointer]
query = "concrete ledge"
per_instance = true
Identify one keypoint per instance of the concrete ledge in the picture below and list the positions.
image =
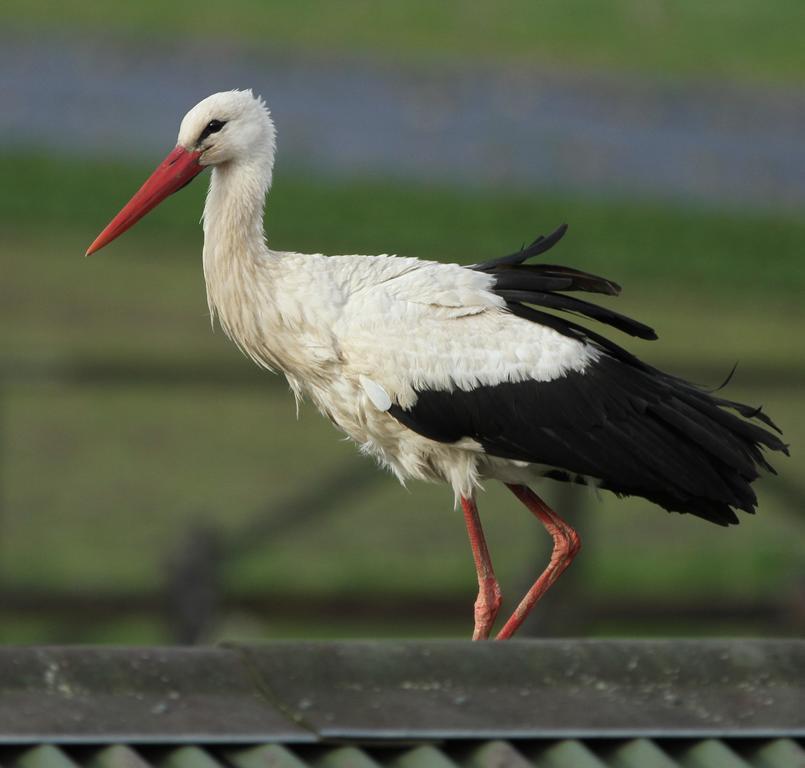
(306, 692)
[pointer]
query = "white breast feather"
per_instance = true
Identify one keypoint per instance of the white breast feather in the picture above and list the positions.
(362, 332)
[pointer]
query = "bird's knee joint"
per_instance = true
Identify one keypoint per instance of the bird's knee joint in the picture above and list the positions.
(497, 599)
(566, 545)
(489, 600)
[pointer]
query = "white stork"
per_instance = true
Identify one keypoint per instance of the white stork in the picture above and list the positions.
(451, 373)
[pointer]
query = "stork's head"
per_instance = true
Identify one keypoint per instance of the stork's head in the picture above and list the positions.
(227, 127)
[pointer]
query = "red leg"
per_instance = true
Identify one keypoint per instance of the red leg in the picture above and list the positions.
(489, 599)
(566, 544)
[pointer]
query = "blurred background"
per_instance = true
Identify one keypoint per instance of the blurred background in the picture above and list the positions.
(156, 487)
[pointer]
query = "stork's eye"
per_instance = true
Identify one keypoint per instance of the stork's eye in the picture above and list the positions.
(212, 127)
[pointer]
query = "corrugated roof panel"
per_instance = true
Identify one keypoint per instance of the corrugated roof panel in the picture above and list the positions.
(345, 757)
(554, 704)
(423, 691)
(568, 753)
(711, 753)
(779, 753)
(188, 757)
(426, 756)
(263, 756)
(117, 756)
(640, 753)
(494, 754)
(135, 695)
(545, 753)
(44, 756)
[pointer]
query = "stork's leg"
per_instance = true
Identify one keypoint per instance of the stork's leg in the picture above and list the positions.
(489, 599)
(566, 544)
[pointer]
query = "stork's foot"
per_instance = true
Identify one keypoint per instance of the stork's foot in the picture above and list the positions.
(487, 606)
(566, 545)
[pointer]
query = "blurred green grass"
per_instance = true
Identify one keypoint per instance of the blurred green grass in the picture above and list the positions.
(100, 482)
(656, 242)
(748, 39)
(690, 272)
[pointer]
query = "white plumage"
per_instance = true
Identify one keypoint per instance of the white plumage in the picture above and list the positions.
(349, 332)
(441, 372)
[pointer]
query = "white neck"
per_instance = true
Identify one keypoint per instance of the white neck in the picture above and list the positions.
(235, 251)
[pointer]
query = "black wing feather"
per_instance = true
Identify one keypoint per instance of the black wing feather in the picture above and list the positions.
(636, 430)
(579, 307)
(539, 284)
(540, 245)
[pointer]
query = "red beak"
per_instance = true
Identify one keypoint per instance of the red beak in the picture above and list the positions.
(176, 170)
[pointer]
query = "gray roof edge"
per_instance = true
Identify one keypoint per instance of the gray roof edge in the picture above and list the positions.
(303, 692)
